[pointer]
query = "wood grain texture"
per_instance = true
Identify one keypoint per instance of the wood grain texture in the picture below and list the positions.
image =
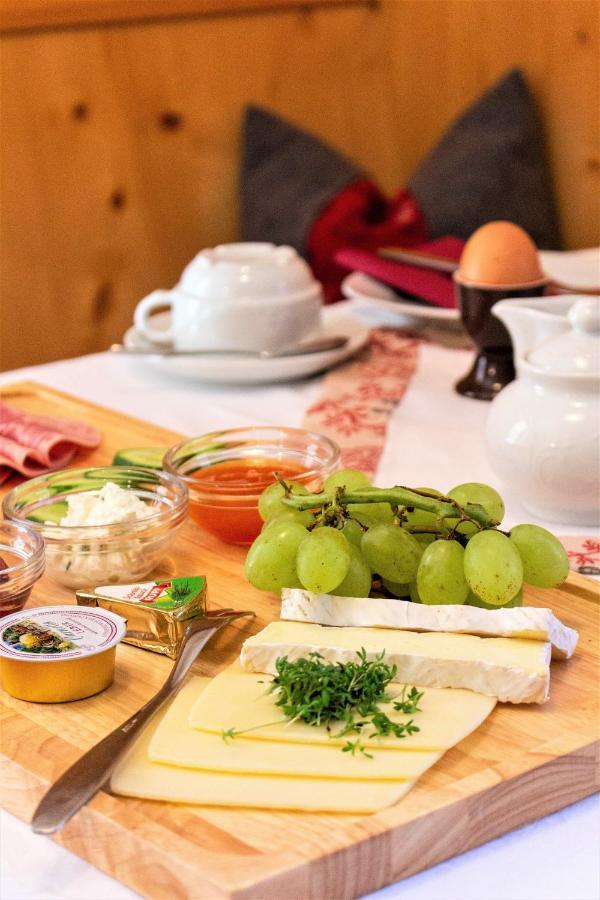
(24, 15)
(120, 144)
(522, 763)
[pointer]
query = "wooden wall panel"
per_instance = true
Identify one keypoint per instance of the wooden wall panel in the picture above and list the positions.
(120, 144)
(24, 15)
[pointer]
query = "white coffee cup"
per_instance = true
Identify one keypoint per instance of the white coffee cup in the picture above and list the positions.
(250, 296)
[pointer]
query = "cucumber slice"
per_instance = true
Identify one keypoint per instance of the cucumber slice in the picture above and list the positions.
(147, 457)
(53, 513)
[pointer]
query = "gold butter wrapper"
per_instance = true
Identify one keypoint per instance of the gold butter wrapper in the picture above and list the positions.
(157, 612)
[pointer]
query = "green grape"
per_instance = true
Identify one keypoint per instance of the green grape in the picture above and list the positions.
(302, 516)
(367, 514)
(269, 503)
(414, 592)
(440, 576)
(420, 518)
(371, 514)
(493, 567)
(517, 600)
(425, 539)
(350, 479)
(357, 582)
(271, 560)
(545, 560)
(474, 492)
(391, 552)
(396, 588)
(323, 560)
(352, 532)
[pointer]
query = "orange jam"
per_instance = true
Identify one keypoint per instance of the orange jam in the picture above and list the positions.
(226, 501)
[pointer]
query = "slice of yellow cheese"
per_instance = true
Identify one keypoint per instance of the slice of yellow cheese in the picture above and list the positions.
(511, 669)
(238, 699)
(176, 743)
(138, 776)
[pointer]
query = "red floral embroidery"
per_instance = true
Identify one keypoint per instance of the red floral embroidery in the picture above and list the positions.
(358, 398)
(364, 458)
(587, 554)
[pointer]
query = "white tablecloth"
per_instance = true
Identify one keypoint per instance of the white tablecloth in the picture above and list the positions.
(435, 438)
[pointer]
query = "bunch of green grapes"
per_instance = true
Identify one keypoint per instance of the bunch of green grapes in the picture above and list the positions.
(294, 550)
(423, 555)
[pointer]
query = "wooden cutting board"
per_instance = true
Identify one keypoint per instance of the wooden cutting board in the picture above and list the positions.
(523, 763)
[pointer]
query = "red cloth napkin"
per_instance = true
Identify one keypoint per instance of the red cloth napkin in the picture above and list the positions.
(428, 285)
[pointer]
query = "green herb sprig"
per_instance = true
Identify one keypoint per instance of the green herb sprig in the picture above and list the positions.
(178, 592)
(410, 704)
(317, 692)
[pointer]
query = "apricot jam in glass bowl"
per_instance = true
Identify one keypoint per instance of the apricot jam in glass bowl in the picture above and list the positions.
(226, 472)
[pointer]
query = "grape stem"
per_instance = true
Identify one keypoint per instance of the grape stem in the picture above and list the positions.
(442, 507)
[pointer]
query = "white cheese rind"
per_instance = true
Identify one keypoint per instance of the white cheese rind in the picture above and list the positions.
(526, 622)
(513, 670)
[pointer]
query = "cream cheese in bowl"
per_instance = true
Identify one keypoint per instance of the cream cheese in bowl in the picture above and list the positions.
(108, 525)
(108, 506)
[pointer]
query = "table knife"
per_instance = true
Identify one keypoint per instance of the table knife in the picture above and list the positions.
(92, 771)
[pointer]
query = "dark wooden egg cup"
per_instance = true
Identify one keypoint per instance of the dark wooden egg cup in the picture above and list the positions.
(493, 367)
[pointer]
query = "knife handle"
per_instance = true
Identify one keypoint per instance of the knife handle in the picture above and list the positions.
(90, 773)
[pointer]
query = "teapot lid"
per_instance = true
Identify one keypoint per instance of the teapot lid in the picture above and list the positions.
(577, 351)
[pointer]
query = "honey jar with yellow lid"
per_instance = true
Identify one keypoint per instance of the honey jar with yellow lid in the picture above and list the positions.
(54, 654)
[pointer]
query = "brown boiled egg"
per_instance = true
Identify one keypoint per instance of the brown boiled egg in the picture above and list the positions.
(500, 254)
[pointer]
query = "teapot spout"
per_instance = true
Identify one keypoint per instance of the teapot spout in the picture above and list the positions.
(531, 321)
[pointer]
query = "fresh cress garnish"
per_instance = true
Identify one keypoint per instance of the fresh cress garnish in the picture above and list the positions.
(318, 692)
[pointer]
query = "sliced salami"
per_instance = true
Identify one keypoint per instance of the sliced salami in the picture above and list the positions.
(70, 429)
(32, 444)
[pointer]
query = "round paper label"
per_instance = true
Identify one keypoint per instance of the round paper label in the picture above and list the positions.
(59, 633)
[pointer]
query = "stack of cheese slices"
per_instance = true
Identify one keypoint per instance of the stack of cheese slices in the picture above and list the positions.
(464, 659)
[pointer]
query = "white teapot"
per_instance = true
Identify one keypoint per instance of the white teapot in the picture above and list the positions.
(543, 429)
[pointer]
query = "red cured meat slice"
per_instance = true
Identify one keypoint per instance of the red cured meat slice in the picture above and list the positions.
(21, 458)
(68, 429)
(36, 444)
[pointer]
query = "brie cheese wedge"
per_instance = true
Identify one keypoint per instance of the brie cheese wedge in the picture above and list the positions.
(527, 622)
(512, 669)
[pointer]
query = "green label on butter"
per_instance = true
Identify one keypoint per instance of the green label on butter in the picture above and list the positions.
(169, 594)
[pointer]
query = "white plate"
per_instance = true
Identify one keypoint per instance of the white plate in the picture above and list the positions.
(337, 319)
(372, 293)
(578, 268)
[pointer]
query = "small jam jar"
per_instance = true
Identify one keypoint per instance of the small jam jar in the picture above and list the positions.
(53, 654)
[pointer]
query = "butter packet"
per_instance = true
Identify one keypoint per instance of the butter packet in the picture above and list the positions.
(157, 612)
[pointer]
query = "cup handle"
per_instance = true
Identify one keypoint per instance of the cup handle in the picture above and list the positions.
(142, 314)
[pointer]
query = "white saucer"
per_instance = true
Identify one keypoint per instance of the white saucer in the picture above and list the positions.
(367, 293)
(337, 319)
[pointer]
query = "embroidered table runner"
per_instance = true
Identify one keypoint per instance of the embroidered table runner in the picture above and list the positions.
(358, 398)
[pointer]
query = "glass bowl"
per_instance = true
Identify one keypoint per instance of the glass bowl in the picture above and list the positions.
(22, 551)
(226, 472)
(94, 555)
